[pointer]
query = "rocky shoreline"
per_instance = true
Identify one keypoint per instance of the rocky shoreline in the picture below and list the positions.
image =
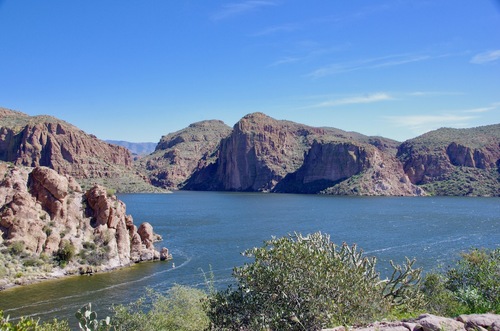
(429, 322)
(50, 228)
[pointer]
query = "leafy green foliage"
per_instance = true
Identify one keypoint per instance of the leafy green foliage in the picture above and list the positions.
(30, 324)
(66, 252)
(16, 248)
(181, 309)
(298, 283)
(472, 286)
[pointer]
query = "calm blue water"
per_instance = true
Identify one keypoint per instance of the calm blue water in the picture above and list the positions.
(206, 230)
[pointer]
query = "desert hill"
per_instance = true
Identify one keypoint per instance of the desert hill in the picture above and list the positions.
(47, 141)
(263, 154)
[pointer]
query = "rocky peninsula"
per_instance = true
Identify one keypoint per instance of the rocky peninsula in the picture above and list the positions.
(50, 227)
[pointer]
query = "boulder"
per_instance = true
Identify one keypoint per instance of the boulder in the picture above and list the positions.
(430, 322)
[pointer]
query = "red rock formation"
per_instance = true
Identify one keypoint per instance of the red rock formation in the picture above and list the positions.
(178, 155)
(45, 210)
(46, 141)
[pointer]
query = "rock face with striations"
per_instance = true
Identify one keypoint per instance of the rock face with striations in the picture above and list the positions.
(268, 155)
(178, 155)
(46, 141)
(43, 212)
(455, 161)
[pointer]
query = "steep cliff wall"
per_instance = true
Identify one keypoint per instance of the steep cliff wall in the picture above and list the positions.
(259, 152)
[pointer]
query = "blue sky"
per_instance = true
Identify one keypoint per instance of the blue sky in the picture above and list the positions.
(136, 70)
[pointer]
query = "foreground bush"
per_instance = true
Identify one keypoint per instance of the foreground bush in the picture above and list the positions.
(30, 324)
(181, 309)
(306, 283)
(472, 286)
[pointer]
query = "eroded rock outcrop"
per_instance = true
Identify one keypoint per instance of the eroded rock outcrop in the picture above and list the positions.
(454, 161)
(43, 212)
(46, 141)
(268, 155)
(178, 155)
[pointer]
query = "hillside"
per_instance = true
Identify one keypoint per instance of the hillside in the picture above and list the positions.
(137, 149)
(268, 155)
(263, 154)
(455, 161)
(47, 141)
(178, 155)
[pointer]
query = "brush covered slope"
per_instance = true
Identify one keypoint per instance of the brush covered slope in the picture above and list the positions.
(47, 141)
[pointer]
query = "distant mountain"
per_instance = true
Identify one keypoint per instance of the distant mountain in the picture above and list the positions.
(180, 154)
(262, 154)
(139, 149)
(455, 161)
(47, 141)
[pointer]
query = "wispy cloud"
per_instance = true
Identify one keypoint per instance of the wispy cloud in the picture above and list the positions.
(486, 57)
(373, 63)
(480, 110)
(285, 60)
(306, 51)
(457, 119)
(276, 29)
(235, 9)
(425, 123)
(432, 93)
(370, 98)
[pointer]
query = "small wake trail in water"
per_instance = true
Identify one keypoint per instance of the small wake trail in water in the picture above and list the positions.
(88, 293)
(425, 246)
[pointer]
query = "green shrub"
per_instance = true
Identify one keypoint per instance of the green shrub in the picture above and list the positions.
(16, 248)
(30, 324)
(298, 283)
(471, 286)
(476, 280)
(65, 253)
(181, 309)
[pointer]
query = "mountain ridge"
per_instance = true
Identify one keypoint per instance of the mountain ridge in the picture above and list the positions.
(263, 154)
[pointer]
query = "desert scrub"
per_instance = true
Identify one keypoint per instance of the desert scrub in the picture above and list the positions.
(31, 324)
(308, 283)
(471, 286)
(181, 309)
(65, 253)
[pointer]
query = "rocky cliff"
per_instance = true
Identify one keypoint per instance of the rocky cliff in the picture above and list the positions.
(455, 161)
(268, 155)
(46, 141)
(178, 155)
(48, 224)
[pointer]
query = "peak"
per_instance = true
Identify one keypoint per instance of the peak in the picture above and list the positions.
(10, 112)
(207, 123)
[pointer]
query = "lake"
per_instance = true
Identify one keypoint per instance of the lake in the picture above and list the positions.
(209, 230)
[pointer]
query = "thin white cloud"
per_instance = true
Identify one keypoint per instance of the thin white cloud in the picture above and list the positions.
(276, 29)
(374, 63)
(235, 9)
(479, 110)
(285, 60)
(486, 57)
(432, 93)
(425, 123)
(370, 98)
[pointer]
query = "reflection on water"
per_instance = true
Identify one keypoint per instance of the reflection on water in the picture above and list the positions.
(208, 230)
